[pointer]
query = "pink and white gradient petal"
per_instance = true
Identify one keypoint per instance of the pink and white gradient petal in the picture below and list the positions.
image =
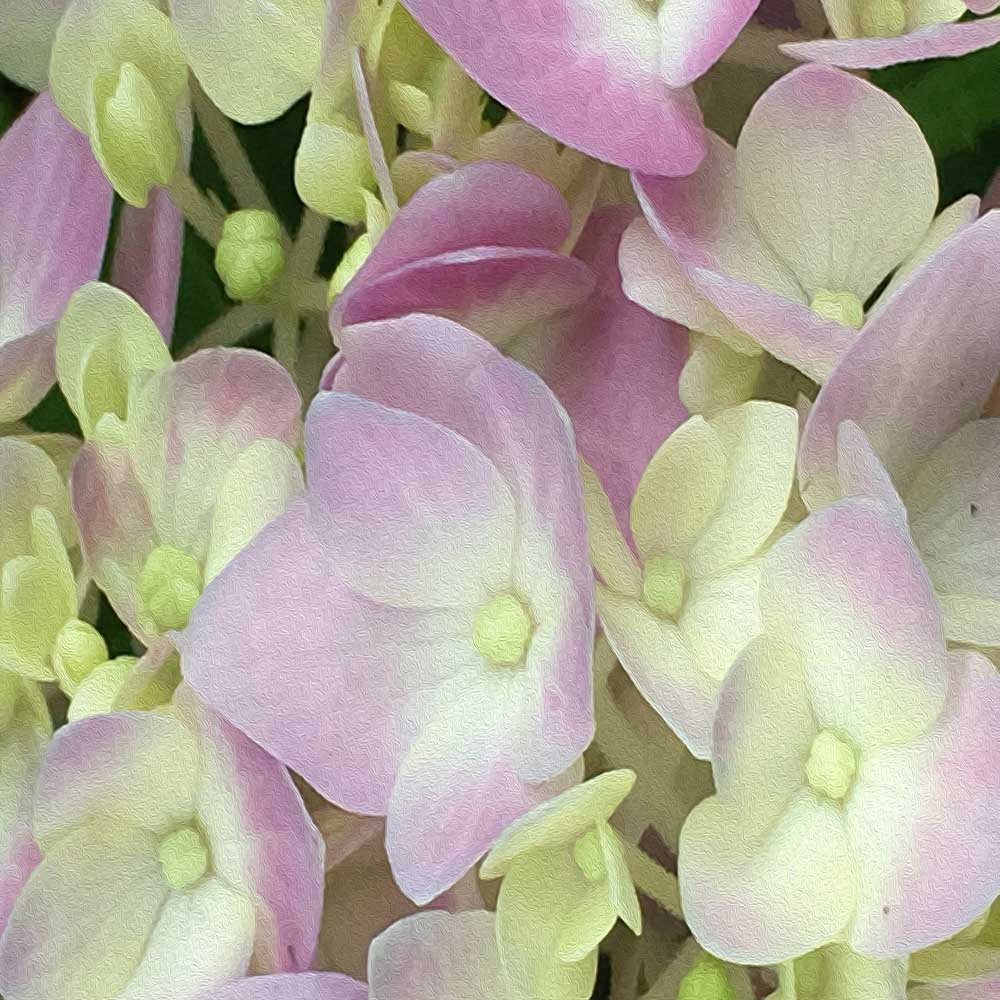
(301, 986)
(694, 33)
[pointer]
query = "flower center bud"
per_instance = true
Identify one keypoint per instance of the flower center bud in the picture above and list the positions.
(589, 857)
(842, 307)
(831, 765)
(501, 630)
(183, 857)
(250, 258)
(169, 586)
(706, 980)
(78, 648)
(882, 18)
(663, 584)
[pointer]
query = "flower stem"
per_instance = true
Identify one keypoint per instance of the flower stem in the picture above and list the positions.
(198, 211)
(234, 324)
(652, 880)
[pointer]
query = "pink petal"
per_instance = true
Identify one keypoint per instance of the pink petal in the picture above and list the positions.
(615, 367)
(398, 494)
(919, 370)
(437, 956)
(496, 291)
(147, 258)
(448, 808)
(588, 73)
(693, 36)
(440, 371)
(934, 42)
(363, 680)
(925, 821)
(791, 331)
(304, 986)
(286, 870)
(55, 209)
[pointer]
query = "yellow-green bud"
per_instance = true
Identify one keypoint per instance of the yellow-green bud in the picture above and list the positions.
(501, 630)
(831, 765)
(842, 307)
(663, 584)
(250, 257)
(183, 857)
(78, 648)
(589, 856)
(169, 586)
(882, 18)
(706, 980)
(133, 135)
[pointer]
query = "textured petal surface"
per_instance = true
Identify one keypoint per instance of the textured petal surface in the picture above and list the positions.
(840, 221)
(55, 210)
(933, 42)
(30, 26)
(924, 819)
(304, 986)
(895, 383)
(847, 596)
(693, 35)
(278, 42)
(592, 75)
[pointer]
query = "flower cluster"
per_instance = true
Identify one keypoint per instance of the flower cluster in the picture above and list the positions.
(567, 565)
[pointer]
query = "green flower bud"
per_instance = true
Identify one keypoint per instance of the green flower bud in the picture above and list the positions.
(706, 980)
(169, 586)
(250, 258)
(501, 630)
(78, 648)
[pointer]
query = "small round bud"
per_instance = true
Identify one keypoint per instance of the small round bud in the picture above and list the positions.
(249, 257)
(78, 648)
(183, 857)
(831, 765)
(501, 630)
(169, 586)
(706, 980)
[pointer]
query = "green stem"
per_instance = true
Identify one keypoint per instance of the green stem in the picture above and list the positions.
(234, 324)
(652, 880)
(198, 211)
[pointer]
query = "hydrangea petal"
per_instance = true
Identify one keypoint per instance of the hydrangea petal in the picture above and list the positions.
(862, 472)
(764, 898)
(593, 79)
(840, 221)
(693, 35)
(347, 739)
(55, 211)
(849, 596)
(954, 297)
(303, 986)
(29, 27)
(924, 819)
(935, 41)
(278, 45)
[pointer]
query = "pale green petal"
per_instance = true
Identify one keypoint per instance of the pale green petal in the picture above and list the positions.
(331, 169)
(759, 439)
(96, 36)
(559, 821)
(97, 693)
(254, 58)
(536, 895)
(261, 483)
(80, 927)
(715, 376)
(621, 891)
(609, 552)
(105, 340)
(202, 937)
(679, 491)
(587, 924)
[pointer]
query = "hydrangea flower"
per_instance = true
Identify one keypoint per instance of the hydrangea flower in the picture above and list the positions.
(855, 760)
(190, 459)
(781, 242)
(175, 854)
(565, 884)
(679, 607)
(872, 35)
(298, 986)
(430, 594)
(55, 209)
(897, 419)
(610, 79)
